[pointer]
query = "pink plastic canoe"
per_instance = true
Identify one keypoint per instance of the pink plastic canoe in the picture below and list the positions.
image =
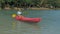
(26, 19)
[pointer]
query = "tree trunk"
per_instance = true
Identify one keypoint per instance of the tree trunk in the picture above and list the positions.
(41, 2)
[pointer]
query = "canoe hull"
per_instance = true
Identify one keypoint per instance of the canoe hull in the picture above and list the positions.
(26, 19)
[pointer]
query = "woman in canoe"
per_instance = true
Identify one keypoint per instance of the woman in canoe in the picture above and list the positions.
(19, 13)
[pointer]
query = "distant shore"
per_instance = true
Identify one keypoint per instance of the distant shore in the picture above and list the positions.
(29, 8)
(15, 8)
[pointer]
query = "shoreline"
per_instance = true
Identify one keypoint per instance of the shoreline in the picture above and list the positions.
(15, 8)
(40, 8)
(30, 8)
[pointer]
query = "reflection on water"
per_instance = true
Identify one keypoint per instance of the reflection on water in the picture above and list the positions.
(21, 27)
(13, 25)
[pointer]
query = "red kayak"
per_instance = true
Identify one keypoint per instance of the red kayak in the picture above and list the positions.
(26, 19)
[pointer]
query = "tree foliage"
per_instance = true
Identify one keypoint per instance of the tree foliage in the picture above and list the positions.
(24, 3)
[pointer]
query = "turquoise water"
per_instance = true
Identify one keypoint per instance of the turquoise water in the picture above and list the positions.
(50, 23)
